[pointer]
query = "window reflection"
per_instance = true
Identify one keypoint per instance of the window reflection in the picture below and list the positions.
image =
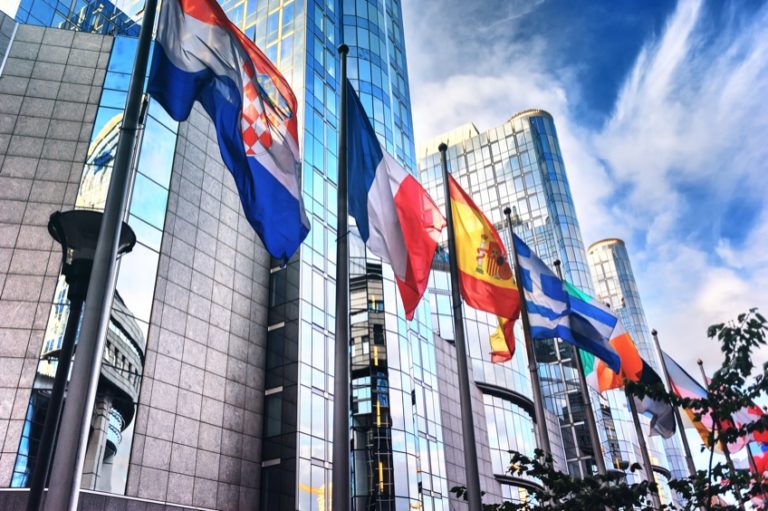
(111, 437)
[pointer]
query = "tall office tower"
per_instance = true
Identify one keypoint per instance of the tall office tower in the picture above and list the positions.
(396, 439)
(615, 284)
(519, 164)
(234, 402)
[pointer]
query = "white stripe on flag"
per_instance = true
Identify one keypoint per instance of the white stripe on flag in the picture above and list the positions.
(385, 233)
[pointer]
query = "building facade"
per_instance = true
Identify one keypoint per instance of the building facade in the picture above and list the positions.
(615, 284)
(231, 405)
(519, 164)
(218, 382)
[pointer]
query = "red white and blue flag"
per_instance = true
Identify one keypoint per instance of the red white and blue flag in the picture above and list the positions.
(398, 221)
(202, 56)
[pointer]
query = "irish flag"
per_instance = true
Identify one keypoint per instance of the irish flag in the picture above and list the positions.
(601, 377)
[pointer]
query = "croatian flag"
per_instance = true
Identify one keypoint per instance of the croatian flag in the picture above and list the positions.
(397, 219)
(202, 56)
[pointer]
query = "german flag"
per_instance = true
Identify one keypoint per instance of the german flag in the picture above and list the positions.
(485, 277)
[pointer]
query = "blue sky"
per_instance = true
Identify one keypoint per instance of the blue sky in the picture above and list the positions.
(662, 113)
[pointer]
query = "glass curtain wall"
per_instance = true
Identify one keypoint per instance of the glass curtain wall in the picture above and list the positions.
(616, 285)
(397, 458)
(95, 16)
(519, 164)
(395, 410)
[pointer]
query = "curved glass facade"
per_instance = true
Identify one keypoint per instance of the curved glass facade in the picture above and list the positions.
(616, 285)
(396, 432)
(509, 428)
(519, 164)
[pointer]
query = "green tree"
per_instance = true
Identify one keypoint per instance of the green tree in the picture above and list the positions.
(736, 385)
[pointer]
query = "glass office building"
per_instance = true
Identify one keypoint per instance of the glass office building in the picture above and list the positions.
(519, 164)
(396, 424)
(94, 16)
(615, 284)
(224, 358)
(396, 435)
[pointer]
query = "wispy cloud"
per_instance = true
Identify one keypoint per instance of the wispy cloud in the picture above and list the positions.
(677, 167)
(686, 140)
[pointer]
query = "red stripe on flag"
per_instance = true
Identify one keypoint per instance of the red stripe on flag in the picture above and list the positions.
(421, 223)
(489, 298)
(211, 13)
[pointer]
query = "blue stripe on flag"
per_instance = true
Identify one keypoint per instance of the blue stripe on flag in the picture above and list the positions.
(521, 248)
(587, 309)
(526, 276)
(545, 312)
(363, 156)
(589, 340)
(552, 287)
(270, 208)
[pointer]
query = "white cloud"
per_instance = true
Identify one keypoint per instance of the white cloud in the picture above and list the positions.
(686, 137)
(9, 7)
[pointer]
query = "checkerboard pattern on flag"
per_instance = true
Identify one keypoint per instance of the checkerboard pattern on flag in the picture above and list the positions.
(202, 56)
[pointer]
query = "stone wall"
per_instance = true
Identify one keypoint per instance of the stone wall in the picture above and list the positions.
(49, 90)
(199, 422)
(450, 407)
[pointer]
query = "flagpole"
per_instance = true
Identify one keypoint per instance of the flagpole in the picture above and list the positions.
(678, 417)
(588, 410)
(644, 451)
(474, 499)
(340, 492)
(66, 472)
(538, 399)
(751, 458)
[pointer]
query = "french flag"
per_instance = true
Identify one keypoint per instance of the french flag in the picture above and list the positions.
(202, 56)
(398, 221)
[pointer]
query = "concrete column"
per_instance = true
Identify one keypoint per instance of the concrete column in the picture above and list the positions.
(97, 442)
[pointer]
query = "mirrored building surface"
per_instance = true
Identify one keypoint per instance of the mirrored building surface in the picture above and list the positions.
(615, 284)
(232, 388)
(94, 16)
(519, 164)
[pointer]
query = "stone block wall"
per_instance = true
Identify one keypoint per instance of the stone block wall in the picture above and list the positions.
(49, 90)
(199, 421)
(450, 407)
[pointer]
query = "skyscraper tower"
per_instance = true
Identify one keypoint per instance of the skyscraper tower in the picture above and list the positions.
(519, 164)
(615, 284)
(395, 406)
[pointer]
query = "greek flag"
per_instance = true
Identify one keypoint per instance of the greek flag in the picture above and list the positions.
(559, 309)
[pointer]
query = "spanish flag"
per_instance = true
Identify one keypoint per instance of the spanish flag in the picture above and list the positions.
(485, 277)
